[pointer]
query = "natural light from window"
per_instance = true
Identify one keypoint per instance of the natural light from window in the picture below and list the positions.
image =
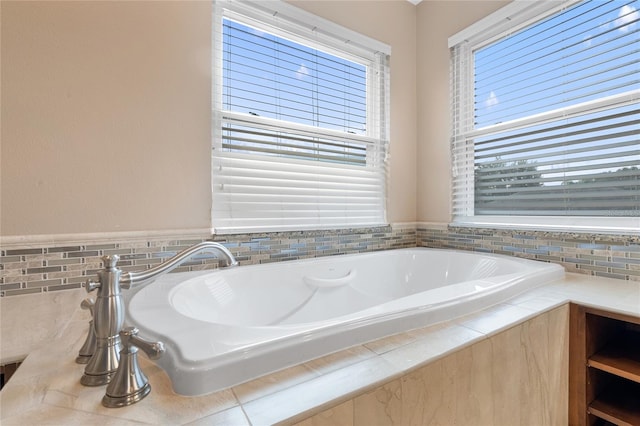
(554, 121)
(301, 122)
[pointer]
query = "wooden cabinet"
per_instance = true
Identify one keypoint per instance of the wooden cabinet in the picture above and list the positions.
(604, 368)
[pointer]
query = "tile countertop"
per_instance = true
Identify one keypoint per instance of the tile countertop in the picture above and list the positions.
(46, 389)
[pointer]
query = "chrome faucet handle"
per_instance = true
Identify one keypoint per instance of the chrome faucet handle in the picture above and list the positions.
(92, 285)
(110, 263)
(129, 384)
(88, 348)
(88, 304)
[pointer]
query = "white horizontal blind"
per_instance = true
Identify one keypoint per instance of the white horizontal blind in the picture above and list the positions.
(301, 124)
(555, 126)
(461, 90)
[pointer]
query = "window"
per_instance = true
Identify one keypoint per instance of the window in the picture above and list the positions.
(300, 122)
(546, 116)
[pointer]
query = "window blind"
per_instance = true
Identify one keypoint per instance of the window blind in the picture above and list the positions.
(301, 123)
(546, 119)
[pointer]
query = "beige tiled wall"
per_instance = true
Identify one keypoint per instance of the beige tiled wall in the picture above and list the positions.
(519, 376)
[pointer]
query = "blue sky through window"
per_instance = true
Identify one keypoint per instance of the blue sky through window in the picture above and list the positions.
(269, 76)
(590, 51)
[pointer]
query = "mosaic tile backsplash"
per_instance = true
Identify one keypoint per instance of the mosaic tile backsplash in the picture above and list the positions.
(611, 256)
(55, 268)
(34, 270)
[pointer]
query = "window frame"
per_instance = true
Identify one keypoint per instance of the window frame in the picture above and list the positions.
(511, 18)
(294, 24)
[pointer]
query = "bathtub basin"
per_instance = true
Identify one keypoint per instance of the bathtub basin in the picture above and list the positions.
(225, 327)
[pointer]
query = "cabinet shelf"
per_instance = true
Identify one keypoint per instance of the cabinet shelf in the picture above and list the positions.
(604, 368)
(620, 360)
(619, 405)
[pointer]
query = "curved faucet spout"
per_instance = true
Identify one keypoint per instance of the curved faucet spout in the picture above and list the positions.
(109, 309)
(130, 279)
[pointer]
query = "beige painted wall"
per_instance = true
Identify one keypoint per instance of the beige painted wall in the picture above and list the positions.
(106, 112)
(105, 116)
(436, 22)
(106, 122)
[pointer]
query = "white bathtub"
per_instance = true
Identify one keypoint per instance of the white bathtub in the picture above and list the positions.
(228, 326)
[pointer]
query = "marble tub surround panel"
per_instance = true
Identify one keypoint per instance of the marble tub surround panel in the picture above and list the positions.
(289, 377)
(518, 376)
(52, 379)
(27, 322)
(603, 255)
(161, 406)
(28, 267)
(40, 371)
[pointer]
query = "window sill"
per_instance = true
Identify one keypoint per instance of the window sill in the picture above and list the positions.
(316, 229)
(582, 225)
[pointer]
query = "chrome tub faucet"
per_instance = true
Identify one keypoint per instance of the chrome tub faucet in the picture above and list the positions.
(109, 310)
(129, 385)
